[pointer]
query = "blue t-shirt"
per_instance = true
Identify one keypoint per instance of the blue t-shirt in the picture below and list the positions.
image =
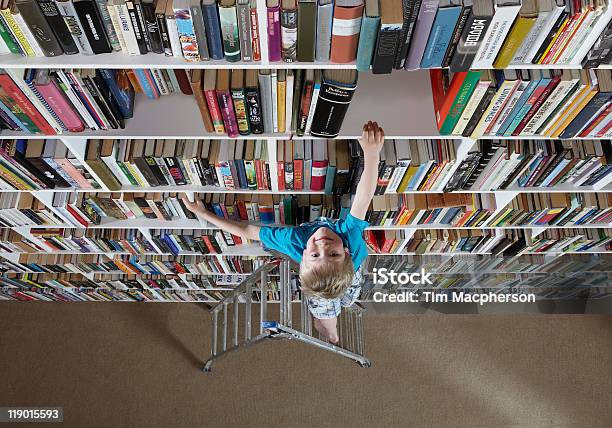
(291, 241)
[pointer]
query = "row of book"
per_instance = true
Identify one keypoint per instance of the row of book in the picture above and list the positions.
(383, 34)
(497, 242)
(244, 102)
(556, 209)
(193, 30)
(41, 164)
(233, 103)
(508, 164)
(549, 103)
(478, 34)
(25, 210)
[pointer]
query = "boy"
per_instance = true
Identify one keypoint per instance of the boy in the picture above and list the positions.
(329, 252)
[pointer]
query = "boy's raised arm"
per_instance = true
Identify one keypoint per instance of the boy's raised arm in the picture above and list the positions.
(371, 142)
(238, 228)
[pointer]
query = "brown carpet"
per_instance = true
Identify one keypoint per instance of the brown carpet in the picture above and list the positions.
(133, 365)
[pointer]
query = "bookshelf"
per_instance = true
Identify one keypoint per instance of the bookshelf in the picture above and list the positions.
(401, 101)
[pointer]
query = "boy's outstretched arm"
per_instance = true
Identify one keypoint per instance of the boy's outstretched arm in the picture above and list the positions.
(371, 142)
(238, 228)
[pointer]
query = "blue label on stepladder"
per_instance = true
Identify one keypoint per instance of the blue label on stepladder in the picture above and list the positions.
(269, 324)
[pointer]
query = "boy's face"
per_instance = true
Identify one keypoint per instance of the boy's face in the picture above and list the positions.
(323, 247)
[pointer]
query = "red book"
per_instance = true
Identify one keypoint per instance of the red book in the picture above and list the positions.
(209, 245)
(210, 94)
(13, 91)
(259, 175)
(227, 112)
(62, 108)
(255, 35)
(536, 106)
(242, 212)
(443, 98)
(345, 33)
(77, 216)
(604, 114)
(318, 175)
(298, 174)
(280, 174)
(604, 130)
(387, 241)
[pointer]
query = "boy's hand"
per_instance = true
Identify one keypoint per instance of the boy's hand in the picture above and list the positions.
(196, 207)
(327, 329)
(372, 138)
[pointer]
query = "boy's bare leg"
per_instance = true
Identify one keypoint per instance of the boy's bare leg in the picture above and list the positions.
(327, 328)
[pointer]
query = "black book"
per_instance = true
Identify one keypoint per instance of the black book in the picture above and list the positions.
(549, 38)
(466, 13)
(137, 26)
(93, 26)
(101, 102)
(41, 170)
(146, 171)
(108, 99)
(58, 26)
(175, 171)
(187, 211)
(335, 95)
(253, 101)
(462, 174)
(386, 46)
(143, 24)
(482, 106)
(472, 35)
(151, 26)
(156, 170)
(411, 12)
(40, 28)
(160, 17)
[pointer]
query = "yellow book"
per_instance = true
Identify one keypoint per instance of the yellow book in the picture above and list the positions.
(554, 39)
(551, 127)
(135, 174)
(281, 94)
(407, 178)
(519, 31)
(16, 30)
(572, 115)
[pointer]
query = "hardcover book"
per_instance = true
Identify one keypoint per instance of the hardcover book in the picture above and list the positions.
(274, 30)
(337, 89)
(229, 30)
(391, 21)
(58, 26)
(345, 31)
(288, 26)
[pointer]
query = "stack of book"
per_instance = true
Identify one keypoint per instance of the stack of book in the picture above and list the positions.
(571, 241)
(13, 242)
(556, 209)
(193, 30)
(550, 103)
(59, 263)
(542, 164)
(91, 241)
(434, 209)
(41, 164)
(23, 209)
(413, 34)
(134, 164)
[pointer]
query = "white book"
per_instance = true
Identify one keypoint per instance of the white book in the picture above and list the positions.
(160, 82)
(586, 26)
(127, 31)
(66, 9)
(111, 163)
(112, 12)
(520, 56)
(488, 170)
(28, 35)
(173, 35)
(544, 29)
(274, 89)
(558, 95)
(496, 34)
(596, 130)
(470, 107)
(555, 122)
(591, 36)
(290, 79)
(512, 100)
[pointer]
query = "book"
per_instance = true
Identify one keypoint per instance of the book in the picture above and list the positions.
(345, 30)
(367, 35)
(213, 28)
(325, 15)
(229, 30)
(411, 11)
(337, 89)
(425, 19)
(274, 30)
(288, 29)
(391, 21)
(473, 35)
(243, 12)
(93, 26)
(35, 19)
(441, 33)
(306, 30)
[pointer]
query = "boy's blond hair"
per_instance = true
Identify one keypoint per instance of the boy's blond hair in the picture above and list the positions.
(328, 281)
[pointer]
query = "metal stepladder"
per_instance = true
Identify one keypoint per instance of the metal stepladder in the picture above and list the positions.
(226, 319)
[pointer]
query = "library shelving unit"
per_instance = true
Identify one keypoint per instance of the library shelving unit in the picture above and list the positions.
(551, 260)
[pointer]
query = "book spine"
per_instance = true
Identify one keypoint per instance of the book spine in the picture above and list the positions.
(255, 47)
(345, 34)
(411, 12)
(68, 12)
(427, 14)
(163, 33)
(229, 30)
(24, 103)
(466, 14)
(213, 31)
(288, 26)
(386, 45)
(441, 33)
(16, 31)
(136, 26)
(474, 33)
(274, 33)
(58, 26)
(227, 111)
(93, 26)
(108, 25)
(129, 36)
(151, 26)
(244, 31)
(173, 36)
(325, 13)
(367, 42)
(332, 104)
(242, 120)
(9, 39)
(253, 103)
(187, 36)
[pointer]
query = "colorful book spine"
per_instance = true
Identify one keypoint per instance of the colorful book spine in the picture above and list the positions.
(187, 36)
(227, 111)
(229, 31)
(441, 33)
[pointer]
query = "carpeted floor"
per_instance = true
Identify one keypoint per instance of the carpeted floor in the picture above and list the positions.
(133, 365)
